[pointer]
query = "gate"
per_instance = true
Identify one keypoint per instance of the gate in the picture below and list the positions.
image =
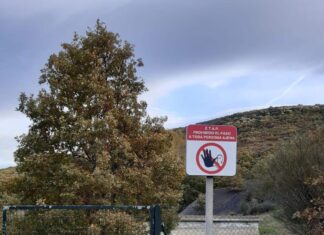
(81, 219)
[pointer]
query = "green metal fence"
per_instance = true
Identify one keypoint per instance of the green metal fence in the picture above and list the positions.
(81, 219)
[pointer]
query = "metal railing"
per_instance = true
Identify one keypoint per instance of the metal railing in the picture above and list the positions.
(81, 219)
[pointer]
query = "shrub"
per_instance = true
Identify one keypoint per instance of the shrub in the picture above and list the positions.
(41, 222)
(254, 207)
(117, 222)
(201, 202)
(262, 207)
(245, 208)
(285, 175)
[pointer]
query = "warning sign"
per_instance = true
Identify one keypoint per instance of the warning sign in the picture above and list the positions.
(211, 150)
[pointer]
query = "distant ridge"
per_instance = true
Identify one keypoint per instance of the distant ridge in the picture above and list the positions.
(260, 131)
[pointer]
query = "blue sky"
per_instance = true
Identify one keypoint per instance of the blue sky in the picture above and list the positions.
(203, 59)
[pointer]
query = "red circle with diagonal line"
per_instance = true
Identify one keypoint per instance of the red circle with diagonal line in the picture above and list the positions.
(220, 167)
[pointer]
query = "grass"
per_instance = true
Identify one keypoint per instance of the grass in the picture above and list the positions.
(269, 225)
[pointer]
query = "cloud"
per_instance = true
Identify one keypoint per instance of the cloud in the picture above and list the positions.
(186, 34)
(209, 77)
(287, 90)
(221, 55)
(174, 36)
(24, 9)
(12, 124)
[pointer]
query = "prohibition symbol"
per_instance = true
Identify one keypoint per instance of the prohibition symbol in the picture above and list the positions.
(211, 158)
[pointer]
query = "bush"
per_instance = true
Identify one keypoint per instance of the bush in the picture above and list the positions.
(262, 207)
(192, 187)
(117, 222)
(284, 176)
(201, 202)
(313, 215)
(254, 207)
(46, 222)
(169, 218)
(245, 208)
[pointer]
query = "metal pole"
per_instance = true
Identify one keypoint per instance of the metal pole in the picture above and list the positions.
(209, 205)
(157, 220)
(152, 220)
(4, 220)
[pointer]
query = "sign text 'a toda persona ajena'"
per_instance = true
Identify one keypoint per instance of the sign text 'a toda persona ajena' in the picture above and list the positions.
(211, 150)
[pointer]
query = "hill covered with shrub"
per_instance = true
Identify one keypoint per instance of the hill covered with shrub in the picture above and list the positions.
(260, 133)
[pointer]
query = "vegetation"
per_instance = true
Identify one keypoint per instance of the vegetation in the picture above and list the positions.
(116, 223)
(255, 207)
(46, 222)
(270, 225)
(260, 132)
(268, 145)
(293, 177)
(201, 202)
(7, 176)
(313, 214)
(91, 141)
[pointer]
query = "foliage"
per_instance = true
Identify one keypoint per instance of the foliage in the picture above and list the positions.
(77, 222)
(259, 133)
(7, 177)
(201, 202)
(285, 173)
(270, 225)
(255, 207)
(169, 218)
(178, 142)
(192, 187)
(91, 140)
(251, 206)
(116, 222)
(47, 222)
(314, 213)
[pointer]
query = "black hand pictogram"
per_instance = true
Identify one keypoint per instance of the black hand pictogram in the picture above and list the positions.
(207, 157)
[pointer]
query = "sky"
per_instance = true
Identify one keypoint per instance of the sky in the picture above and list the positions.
(203, 59)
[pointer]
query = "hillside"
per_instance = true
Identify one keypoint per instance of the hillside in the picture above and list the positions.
(6, 175)
(259, 131)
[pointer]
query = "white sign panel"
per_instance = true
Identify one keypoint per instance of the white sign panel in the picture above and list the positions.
(211, 150)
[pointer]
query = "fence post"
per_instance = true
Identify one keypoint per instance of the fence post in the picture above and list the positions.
(4, 220)
(151, 220)
(155, 220)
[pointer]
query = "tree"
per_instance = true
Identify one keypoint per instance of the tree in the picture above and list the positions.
(90, 139)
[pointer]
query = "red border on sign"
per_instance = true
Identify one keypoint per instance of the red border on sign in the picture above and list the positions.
(201, 167)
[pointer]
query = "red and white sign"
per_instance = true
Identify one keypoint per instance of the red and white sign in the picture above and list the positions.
(211, 150)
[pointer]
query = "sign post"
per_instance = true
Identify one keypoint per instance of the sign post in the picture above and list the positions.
(211, 151)
(209, 207)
